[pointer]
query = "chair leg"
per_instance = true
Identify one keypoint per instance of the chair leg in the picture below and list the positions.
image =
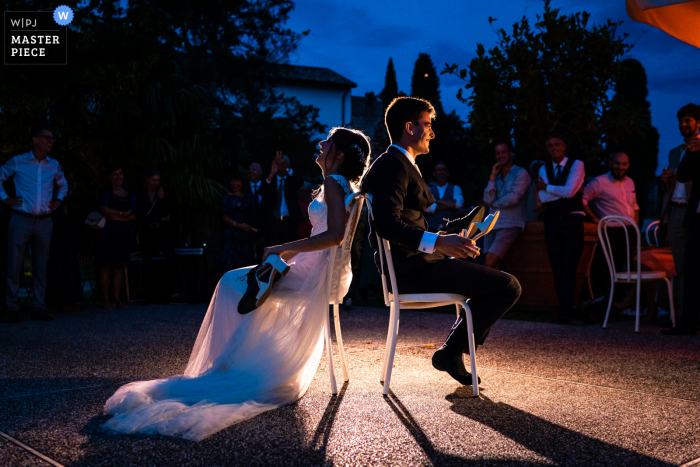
(457, 306)
(390, 360)
(329, 351)
(636, 320)
(389, 333)
(472, 349)
(607, 313)
(339, 339)
(669, 284)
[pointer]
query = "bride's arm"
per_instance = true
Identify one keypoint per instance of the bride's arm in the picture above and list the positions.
(335, 200)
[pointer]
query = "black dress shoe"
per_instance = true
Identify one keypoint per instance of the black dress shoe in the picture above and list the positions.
(681, 331)
(41, 315)
(456, 226)
(453, 364)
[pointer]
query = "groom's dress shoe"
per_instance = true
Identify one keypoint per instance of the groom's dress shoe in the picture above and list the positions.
(446, 360)
(261, 279)
(456, 226)
(449, 357)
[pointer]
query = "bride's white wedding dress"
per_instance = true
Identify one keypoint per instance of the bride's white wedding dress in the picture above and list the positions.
(242, 365)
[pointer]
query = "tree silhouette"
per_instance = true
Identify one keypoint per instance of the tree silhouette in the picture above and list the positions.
(630, 115)
(425, 82)
(555, 74)
(391, 87)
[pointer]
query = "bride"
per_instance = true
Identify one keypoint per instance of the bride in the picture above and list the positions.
(243, 365)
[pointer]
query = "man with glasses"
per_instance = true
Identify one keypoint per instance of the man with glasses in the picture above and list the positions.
(34, 174)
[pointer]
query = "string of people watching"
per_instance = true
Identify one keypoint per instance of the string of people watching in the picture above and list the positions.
(264, 209)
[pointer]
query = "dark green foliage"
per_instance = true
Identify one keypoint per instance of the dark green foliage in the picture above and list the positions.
(425, 82)
(553, 76)
(181, 86)
(630, 113)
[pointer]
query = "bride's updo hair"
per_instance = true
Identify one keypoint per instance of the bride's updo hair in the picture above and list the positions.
(355, 145)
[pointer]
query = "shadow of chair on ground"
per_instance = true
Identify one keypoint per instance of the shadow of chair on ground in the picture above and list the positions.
(559, 444)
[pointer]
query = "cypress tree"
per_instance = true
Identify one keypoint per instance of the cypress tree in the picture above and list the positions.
(425, 82)
(632, 131)
(391, 87)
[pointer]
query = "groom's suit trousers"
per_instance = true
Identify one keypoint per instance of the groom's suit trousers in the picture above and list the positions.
(491, 292)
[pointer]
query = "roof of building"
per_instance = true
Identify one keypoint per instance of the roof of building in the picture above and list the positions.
(315, 75)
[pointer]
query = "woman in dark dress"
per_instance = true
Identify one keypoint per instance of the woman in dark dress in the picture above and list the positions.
(240, 217)
(116, 241)
(155, 238)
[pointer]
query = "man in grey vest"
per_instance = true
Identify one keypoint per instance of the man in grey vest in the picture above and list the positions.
(676, 198)
(448, 199)
(560, 190)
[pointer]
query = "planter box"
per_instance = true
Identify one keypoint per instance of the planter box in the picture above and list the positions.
(528, 260)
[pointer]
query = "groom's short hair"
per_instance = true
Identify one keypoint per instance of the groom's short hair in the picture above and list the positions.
(402, 110)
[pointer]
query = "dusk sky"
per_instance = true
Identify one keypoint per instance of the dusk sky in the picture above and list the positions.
(357, 38)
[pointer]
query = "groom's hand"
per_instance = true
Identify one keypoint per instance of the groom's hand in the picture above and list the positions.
(456, 246)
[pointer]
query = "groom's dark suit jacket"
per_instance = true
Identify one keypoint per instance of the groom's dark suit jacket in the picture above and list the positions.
(399, 198)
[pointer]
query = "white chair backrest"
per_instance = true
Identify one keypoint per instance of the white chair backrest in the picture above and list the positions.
(654, 229)
(384, 258)
(622, 222)
(353, 205)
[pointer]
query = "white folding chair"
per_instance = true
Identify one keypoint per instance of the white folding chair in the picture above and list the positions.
(353, 205)
(628, 277)
(396, 302)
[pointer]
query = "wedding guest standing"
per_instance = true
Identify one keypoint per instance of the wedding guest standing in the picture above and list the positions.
(155, 237)
(116, 240)
(676, 198)
(34, 175)
(449, 200)
(506, 192)
(240, 218)
(282, 211)
(560, 192)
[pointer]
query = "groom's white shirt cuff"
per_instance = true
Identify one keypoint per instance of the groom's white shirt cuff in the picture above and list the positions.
(427, 243)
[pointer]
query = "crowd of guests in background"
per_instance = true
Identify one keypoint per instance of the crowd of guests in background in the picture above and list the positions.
(259, 211)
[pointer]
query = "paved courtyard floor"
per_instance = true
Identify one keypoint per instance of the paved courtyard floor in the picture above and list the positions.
(550, 395)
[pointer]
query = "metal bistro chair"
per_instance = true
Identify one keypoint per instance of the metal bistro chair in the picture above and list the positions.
(628, 277)
(397, 302)
(354, 203)
(653, 228)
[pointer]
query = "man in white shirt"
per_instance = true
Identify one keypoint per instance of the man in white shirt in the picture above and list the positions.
(448, 199)
(611, 194)
(560, 192)
(34, 175)
(676, 199)
(506, 192)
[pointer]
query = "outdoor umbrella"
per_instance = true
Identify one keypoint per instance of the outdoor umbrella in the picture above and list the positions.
(679, 18)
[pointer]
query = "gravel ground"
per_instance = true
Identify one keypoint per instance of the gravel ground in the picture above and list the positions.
(551, 395)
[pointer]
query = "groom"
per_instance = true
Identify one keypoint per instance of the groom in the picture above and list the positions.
(426, 262)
